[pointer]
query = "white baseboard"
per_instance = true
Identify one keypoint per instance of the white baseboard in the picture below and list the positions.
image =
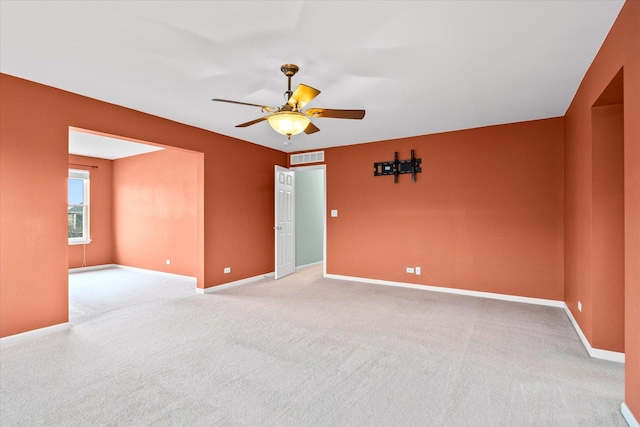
(628, 416)
(504, 297)
(198, 290)
(597, 353)
(92, 268)
(126, 267)
(593, 352)
(30, 335)
(299, 267)
(217, 288)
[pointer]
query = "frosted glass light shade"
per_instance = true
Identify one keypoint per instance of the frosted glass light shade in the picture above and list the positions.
(288, 122)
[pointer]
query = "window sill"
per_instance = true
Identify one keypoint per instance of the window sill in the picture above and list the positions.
(79, 242)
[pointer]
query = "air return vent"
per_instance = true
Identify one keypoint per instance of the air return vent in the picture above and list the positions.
(298, 159)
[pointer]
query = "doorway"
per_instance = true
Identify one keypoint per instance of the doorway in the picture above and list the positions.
(145, 205)
(310, 216)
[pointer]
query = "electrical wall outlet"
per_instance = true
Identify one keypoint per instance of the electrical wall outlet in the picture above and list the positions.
(417, 271)
(168, 262)
(410, 270)
(579, 306)
(227, 270)
(334, 213)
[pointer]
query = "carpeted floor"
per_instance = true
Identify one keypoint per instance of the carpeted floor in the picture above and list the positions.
(146, 349)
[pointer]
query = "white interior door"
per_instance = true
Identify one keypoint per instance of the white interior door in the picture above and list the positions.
(285, 227)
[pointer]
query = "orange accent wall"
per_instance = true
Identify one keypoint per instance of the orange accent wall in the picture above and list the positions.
(607, 229)
(100, 250)
(236, 207)
(33, 211)
(156, 211)
(582, 160)
(485, 214)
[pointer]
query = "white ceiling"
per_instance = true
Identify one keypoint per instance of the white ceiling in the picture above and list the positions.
(103, 147)
(416, 67)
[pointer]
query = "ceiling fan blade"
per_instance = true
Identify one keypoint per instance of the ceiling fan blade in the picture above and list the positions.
(311, 128)
(252, 122)
(335, 114)
(302, 96)
(264, 107)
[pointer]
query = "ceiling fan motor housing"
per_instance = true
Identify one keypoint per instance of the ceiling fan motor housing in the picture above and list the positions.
(289, 70)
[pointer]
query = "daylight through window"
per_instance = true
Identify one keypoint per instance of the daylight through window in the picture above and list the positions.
(78, 210)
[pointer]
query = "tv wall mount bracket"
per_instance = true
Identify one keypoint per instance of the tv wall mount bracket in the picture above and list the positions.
(398, 167)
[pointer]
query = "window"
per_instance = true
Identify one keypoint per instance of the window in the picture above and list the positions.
(78, 210)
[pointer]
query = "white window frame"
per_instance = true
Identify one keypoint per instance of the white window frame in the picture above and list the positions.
(84, 176)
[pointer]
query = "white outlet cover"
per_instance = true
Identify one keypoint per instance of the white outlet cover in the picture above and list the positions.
(418, 271)
(579, 306)
(227, 270)
(410, 270)
(334, 212)
(168, 262)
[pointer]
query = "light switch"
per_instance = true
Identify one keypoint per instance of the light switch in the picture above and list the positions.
(334, 212)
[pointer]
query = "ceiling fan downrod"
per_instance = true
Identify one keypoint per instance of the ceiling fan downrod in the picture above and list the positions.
(289, 70)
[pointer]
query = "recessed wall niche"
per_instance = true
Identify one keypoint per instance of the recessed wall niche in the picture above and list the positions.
(607, 121)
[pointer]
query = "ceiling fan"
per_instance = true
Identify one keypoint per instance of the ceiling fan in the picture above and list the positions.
(289, 119)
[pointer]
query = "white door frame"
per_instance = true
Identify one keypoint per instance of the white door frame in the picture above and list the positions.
(324, 210)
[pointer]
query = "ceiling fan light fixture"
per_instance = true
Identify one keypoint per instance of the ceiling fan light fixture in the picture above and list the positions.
(288, 122)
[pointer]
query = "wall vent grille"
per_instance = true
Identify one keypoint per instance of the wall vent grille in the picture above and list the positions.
(298, 159)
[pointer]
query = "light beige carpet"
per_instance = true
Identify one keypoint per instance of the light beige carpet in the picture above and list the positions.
(145, 349)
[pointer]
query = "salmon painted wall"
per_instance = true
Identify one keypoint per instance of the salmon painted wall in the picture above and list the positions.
(620, 50)
(607, 231)
(236, 210)
(100, 250)
(485, 214)
(155, 211)
(33, 211)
